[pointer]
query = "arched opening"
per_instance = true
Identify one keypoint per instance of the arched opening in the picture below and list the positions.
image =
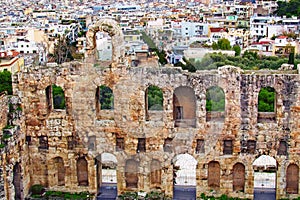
(58, 97)
(184, 177)
(266, 105)
(55, 97)
(59, 171)
(131, 173)
(154, 103)
(104, 48)
(213, 175)
(184, 107)
(239, 177)
(215, 104)
(155, 174)
(104, 102)
(82, 172)
(107, 176)
(17, 181)
(265, 177)
(292, 179)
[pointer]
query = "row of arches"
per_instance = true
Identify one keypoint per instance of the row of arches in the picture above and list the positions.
(184, 102)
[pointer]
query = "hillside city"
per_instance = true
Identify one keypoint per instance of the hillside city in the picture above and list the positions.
(31, 30)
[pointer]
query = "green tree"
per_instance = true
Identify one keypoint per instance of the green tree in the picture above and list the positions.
(6, 82)
(215, 99)
(58, 97)
(266, 100)
(155, 98)
(106, 98)
(223, 44)
(63, 51)
(237, 50)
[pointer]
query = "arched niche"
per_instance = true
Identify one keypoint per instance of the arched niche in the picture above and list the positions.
(131, 173)
(82, 172)
(155, 173)
(59, 170)
(215, 104)
(112, 28)
(238, 177)
(184, 107)
(292, 179)
(213, 175)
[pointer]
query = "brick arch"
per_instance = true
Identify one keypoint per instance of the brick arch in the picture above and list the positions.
(82, 171)
(238, 177)
(184, 169)
(292, 179)
(112, 28)
(214, 106)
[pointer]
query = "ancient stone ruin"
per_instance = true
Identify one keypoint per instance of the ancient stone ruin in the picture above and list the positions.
(84, 144)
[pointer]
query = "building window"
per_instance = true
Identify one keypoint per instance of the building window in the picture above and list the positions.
(155, 174)
(153, 101)
(282, 150)
(251, 146)
(227, 147)
(28, 140)
(168, 145)
(43, 142)
(104, 98)
(184, 107)
(266, 105)
(141, 145)
(120, 146)
(200, 148)
(92, 143)
(58, 95)
(215, 104)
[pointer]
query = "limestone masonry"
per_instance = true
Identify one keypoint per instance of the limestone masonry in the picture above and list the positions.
(67, 149)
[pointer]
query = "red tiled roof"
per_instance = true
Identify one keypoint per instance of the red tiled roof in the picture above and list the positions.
(216, 30)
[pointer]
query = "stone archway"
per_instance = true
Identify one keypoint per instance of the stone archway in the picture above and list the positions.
(111, 27)
(265, 168)
(107, 176)
(184, 177)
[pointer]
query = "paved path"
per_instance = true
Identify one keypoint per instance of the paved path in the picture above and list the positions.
(108, 191)
(184, 193)
(264, 194)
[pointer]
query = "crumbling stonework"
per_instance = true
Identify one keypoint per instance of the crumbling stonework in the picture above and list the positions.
(63, 149)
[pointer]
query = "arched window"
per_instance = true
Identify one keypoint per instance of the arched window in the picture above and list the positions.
(60, 171)
(104, 98)
(153, 102)
(55, 97)
(238, 177)
(131, 173)
(266, 104)
(214, 174)
(184, 107)
(155, 174)
(82, 172)
(58, 95)
(17, 181)
(215, 104)
(292, 179)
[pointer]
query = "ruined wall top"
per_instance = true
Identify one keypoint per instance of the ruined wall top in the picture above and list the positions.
(111, 27)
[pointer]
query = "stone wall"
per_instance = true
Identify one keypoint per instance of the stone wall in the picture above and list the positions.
(65, 134)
